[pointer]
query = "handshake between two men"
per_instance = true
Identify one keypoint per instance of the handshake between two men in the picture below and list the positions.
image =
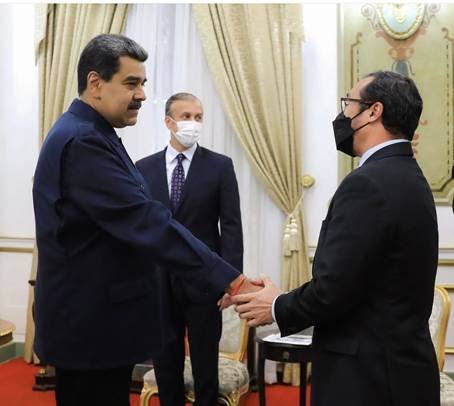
(253, 299)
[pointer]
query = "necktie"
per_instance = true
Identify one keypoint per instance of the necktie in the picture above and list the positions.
(176, 190)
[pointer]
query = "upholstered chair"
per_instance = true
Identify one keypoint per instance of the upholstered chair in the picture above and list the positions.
(233, 373)
(438, 324)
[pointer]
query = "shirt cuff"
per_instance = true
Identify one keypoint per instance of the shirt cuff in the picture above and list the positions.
(272, 308)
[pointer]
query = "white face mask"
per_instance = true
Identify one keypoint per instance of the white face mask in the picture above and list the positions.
(188, 132)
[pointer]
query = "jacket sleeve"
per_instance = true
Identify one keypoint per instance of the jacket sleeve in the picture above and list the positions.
(231, 247)
(96, 180)
(351, 244)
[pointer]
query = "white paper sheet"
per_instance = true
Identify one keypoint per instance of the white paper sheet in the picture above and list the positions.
(295, 339)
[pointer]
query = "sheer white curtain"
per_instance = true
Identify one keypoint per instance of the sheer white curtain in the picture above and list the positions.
(177, 63)
(18, 119)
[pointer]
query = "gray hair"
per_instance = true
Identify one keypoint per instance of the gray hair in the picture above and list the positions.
(179, 96)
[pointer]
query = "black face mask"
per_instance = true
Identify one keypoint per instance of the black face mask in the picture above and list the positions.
(343, 133)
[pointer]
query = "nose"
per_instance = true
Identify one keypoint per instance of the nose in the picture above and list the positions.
(140, 94)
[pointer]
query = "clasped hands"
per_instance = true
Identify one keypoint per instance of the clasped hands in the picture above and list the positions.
(253, 300)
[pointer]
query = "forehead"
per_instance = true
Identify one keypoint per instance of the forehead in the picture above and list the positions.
(131, 67)
(186, 106)
(361, 84)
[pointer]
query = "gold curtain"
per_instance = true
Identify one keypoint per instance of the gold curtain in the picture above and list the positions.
(62, 31)
(254, 54)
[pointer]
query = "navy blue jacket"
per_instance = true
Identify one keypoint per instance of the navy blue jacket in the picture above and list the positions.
(210, 206)
(100, 238)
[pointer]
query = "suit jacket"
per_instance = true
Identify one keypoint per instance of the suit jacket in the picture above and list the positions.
(100, 238)
(372, 289)
(210, 199)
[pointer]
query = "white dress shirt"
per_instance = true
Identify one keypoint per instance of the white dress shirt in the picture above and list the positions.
(363, 159)
(373, 150)
(171, 162)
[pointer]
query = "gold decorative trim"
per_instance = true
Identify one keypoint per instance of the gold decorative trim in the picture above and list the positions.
(21, 245)
(401, 35)
(20, 250)
(446, 262)
(441, 348)
(8, 237)
(6, 327)
(352, 50)
(447, 287)
(308, 181)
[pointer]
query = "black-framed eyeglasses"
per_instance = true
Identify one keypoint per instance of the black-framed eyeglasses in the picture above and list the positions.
(345, 101)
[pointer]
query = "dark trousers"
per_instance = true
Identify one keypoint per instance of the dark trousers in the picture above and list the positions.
(93, 387)
(204, 324)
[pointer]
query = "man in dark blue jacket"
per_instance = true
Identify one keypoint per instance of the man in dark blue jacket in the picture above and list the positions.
(209, 206)
(101, 236)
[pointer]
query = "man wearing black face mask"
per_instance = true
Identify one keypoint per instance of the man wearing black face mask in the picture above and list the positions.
(372, 290)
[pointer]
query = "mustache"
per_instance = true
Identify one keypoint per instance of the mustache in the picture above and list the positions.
(135, 105)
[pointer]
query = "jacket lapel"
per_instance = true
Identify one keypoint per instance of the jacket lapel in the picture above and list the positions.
(160, 187)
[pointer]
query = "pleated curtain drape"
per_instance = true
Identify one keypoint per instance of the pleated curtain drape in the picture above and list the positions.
(254, 54)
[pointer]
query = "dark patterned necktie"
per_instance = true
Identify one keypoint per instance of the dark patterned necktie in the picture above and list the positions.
(176, 190)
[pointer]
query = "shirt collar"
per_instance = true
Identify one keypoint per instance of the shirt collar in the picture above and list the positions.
(171, 153)
(376, 148)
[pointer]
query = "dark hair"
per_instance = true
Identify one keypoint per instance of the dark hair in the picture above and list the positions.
(102, 54)
(179, 96)
(402, 103)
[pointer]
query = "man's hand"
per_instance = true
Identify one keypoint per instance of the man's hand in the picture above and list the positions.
(249, 285)
(224, 302)
(256, 307)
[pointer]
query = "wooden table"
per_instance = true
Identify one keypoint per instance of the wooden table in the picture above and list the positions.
(282, 352)
(6, 332)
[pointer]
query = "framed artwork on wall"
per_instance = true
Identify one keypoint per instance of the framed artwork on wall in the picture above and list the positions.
(416, 40)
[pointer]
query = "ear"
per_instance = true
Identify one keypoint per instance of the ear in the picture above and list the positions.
(376, 111)
(94, 84)
(169, 123)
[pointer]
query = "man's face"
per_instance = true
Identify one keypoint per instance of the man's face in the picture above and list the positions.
(120, 99)
(184, 110)
(353, 108)
(361, 114)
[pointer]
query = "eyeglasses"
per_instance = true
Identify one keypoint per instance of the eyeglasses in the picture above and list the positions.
(345, 101)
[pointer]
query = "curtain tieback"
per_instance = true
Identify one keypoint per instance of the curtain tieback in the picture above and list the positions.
(291, 240)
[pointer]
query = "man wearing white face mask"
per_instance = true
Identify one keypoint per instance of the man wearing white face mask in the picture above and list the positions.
(200, 188)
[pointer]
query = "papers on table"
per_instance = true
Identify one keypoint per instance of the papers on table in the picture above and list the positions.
(295, 339)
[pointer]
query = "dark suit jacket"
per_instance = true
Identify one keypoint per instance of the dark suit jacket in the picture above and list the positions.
(210, 198)
(372, 289)
(100, 238)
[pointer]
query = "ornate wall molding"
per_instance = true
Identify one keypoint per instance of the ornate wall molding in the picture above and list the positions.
(16, 244)
(416, 40)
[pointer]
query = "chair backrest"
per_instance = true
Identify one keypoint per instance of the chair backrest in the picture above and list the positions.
(234, 337)
(438, 322)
